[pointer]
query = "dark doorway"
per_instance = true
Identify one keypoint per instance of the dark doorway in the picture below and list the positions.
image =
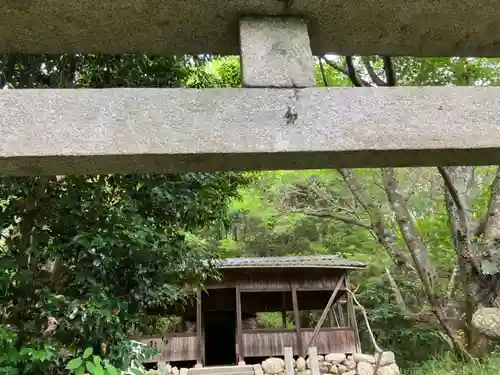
(220, 338)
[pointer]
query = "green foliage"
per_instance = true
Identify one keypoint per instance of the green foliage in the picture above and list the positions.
(17, 359)
(103, 256)
(92, 364)
(446, 365)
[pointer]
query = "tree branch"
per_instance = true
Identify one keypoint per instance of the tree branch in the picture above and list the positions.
(455, 196)
(383, 235)
(416, 247)
(345, 72)
(371, 72)
(335, 216)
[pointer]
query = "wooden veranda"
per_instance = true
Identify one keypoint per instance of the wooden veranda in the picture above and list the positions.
(222, 328)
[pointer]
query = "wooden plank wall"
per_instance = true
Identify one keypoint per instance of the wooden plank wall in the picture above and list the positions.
(178, 348)
(332, 341)
(261, 343)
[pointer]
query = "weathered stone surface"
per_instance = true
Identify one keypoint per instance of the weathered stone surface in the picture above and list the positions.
(335, 357)
(183, 371)
(324, 367)
(391, 369)
(273, 365)
(364, 368)
(387, 27)
(175, 370)
(57, 132)
(352, 372)
(257, 369)
(350, 363)
(304, 372)
(334, 369)
(387, 358)
(276, 52)
(358, 357)
(300, 364)
(487, 321)
(342, 369)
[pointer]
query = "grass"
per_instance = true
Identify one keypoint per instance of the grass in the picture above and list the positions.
(447, 366)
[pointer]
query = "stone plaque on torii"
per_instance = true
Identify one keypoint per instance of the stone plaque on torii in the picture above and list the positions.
(278, 120)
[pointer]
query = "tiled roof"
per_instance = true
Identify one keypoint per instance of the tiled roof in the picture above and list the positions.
(322, 261)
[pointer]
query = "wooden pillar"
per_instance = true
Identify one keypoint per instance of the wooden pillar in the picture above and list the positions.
(313, 361)
(289, 362)
(331, 318)
(341, 313)
(296, 315)
(199, 328)
(240, 355)
(283, 309)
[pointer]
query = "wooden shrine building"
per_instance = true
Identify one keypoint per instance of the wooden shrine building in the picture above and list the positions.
(223, 327)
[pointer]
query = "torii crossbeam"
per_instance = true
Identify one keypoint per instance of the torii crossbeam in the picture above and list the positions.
(279, 120)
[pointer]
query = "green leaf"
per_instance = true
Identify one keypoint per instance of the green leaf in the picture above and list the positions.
(26, 351)
(111, 369)
(80, 370)
(99, 369)
(88, 352)
(74, 364)
(90, 367)
(137, 371)
(41, 355)
(97, 360)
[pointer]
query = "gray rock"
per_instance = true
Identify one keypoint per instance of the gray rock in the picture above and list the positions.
(391, 369)
(257, 369)
(350, 364)
(324, 367)
(364, 368)
(304, 372)
(273, 365)
(301, 364)
(387, 358)
(358, 357)
(175, 370)
(335, 357)
(487, 321)
(342, 369)
(334, 369)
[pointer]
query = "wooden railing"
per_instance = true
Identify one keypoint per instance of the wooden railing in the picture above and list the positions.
(270, 342)
(179, 347)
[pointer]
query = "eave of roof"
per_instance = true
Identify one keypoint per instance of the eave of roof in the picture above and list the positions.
(322, 261)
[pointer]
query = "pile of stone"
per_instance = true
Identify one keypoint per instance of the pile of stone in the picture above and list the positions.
(334, 363)
(167, 369)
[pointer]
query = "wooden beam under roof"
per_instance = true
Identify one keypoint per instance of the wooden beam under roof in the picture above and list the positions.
(92, 131)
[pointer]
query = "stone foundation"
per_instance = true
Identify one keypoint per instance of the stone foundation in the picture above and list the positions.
(334, 363)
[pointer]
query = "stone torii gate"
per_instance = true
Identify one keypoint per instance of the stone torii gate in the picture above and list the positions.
(278, 120)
